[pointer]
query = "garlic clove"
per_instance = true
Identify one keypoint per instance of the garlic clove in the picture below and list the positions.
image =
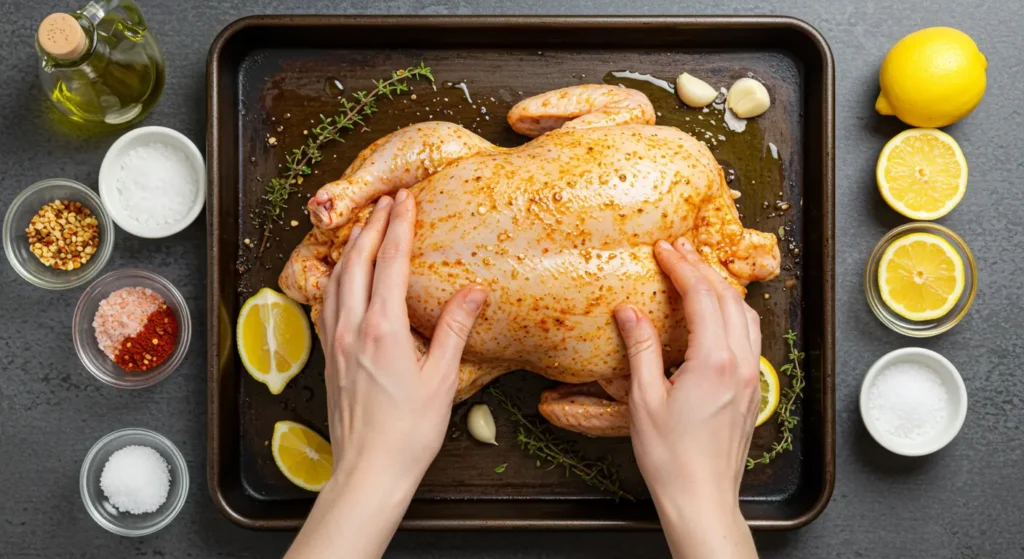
(748, 98)
(480, 423)
(695, 92)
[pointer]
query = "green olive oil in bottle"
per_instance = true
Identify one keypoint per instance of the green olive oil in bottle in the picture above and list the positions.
(101, 67)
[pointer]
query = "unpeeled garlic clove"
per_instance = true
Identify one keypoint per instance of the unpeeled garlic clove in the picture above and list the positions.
(480, 423)
(695, 92)
(748, 98)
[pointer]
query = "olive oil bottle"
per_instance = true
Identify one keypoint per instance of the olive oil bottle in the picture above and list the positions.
(101, 67)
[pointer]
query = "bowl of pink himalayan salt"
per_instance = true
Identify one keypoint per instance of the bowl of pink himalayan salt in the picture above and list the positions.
(131, 328)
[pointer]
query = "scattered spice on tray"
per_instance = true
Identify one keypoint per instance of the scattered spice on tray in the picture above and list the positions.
(136, 480)
(63, 235)
(135, 328)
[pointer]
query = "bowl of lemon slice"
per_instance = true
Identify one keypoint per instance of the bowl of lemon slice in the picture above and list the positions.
(920, 279)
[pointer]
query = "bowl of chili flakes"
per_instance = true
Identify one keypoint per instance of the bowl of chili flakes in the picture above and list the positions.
(131, 328)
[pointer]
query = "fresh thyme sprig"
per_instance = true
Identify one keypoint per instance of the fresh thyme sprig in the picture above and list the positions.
(540, 441)
(787, 421)
(300, 163)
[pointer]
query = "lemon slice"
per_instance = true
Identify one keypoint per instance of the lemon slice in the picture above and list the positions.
(769, 392)
(922, 173)
(303, 456)
(273, 338)
(921, 276)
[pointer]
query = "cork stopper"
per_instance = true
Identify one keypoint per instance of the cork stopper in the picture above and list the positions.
(61, 36)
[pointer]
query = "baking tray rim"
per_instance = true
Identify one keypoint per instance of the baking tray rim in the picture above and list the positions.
(827, 163)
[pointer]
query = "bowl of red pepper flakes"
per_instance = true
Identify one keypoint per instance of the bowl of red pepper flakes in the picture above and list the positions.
(131, 328)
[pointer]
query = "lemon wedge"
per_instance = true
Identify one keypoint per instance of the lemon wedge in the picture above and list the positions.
(273, 338)
(769, 392)
(921, 276)
(922, 173)
(303, 456)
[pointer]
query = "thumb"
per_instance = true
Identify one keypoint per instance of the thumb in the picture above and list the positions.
(454, 326)
(643, 346)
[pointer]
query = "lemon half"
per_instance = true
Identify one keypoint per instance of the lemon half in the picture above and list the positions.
(922, 173)
(769, 392)
(921, 276)
(303, 456)
(273, 338)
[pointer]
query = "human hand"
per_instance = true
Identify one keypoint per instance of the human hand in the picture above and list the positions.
(388, 405)
(691, 433)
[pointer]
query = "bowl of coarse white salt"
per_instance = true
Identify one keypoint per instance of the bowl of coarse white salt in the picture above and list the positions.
(153, 182)
(133, 482)
(913, 401)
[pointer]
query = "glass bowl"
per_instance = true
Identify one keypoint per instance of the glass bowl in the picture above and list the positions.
(924, 328)
(123, 523)
(20, 213)
(88, 349)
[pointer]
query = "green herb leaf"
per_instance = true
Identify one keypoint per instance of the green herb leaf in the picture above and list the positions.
(500, 468)
(539, 440)
(300, 162)
(785, 413)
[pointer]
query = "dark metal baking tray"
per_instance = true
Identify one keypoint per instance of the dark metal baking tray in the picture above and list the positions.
(268, 72)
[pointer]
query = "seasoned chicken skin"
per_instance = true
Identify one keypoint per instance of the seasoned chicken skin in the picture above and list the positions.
(560, 229)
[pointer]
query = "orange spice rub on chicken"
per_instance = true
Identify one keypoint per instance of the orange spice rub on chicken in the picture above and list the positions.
(560, 229)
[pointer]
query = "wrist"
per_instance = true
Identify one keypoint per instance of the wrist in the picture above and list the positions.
(710, 535)
(361, 491)
(368, 474)
(696, 503)
(357, 511)
(704, 524)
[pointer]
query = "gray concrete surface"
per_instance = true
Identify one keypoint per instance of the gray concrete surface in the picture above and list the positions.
(962, 502)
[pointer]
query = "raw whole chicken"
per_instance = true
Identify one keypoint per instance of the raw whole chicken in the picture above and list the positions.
(560, 229)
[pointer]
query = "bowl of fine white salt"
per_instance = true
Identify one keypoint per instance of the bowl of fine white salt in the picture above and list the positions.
(913, 401)
(153, 182)
(133, 482)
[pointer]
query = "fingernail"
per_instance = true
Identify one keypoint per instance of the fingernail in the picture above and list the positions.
(475, 299)
(402, 195)
(663, 245)
(682, 245)
(625, 315)
(383, 202)
(355, 232)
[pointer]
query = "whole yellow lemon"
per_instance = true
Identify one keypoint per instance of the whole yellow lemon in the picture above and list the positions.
(932, 78)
